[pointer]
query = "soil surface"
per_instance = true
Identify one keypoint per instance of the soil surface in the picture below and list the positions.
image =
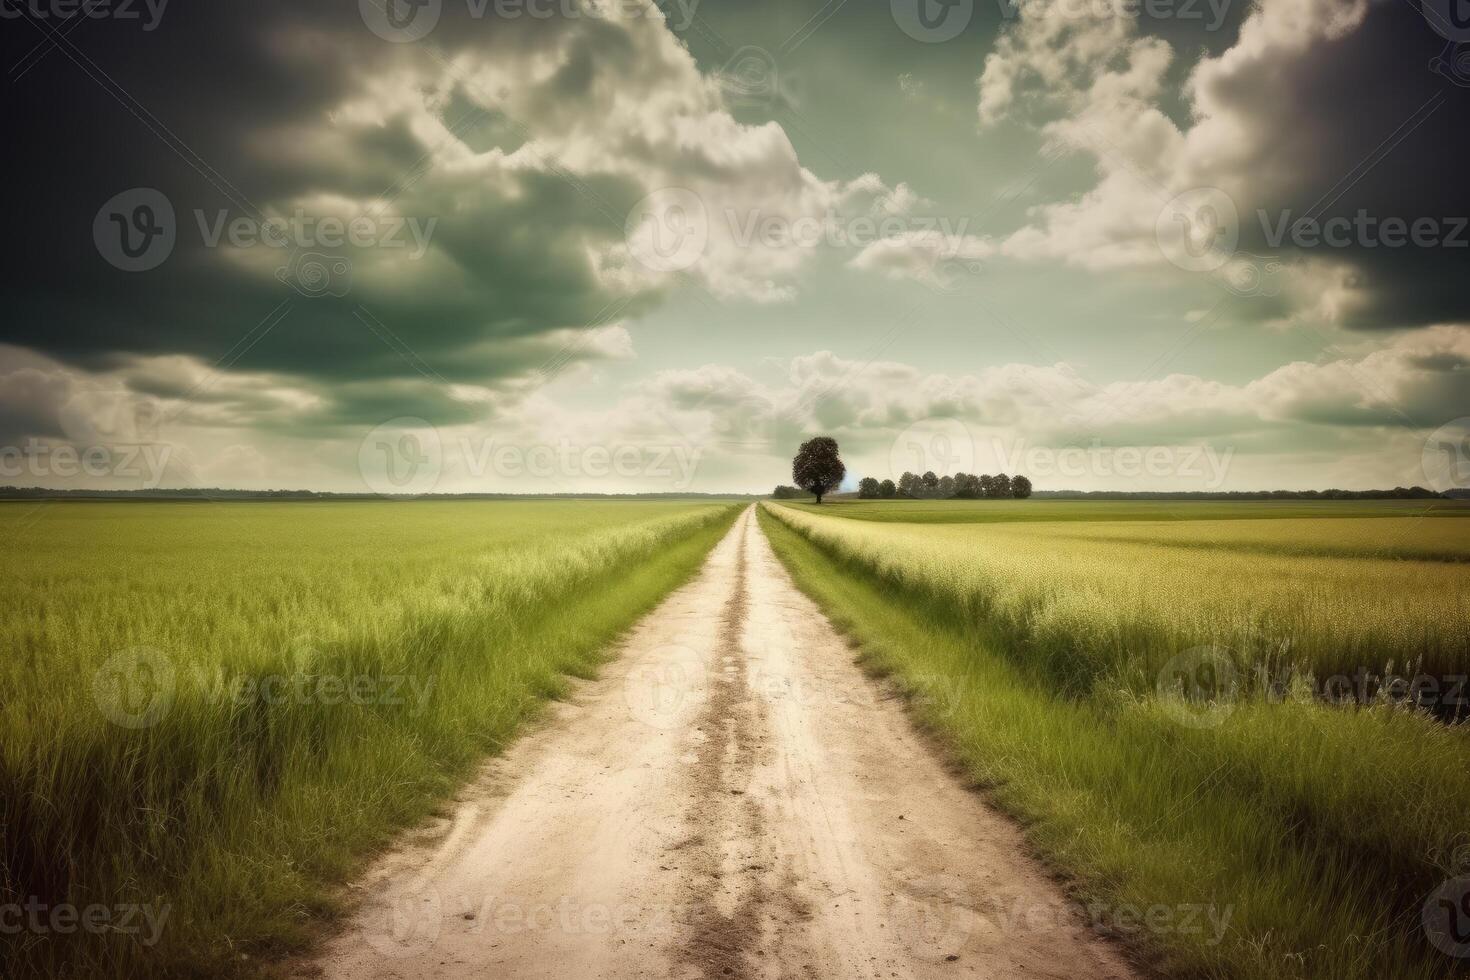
(731, 798)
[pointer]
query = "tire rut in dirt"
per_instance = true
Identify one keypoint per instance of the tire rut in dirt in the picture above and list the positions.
(721, 816)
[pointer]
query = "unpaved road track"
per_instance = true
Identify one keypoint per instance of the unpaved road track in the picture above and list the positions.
(732, 798)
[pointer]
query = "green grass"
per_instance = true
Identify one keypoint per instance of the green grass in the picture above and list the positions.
(1082, 604)
(337, 669)
(1044, 509)
(1318, 831)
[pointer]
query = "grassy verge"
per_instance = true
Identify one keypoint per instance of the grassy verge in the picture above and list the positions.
(295, 685)
(1278, 840)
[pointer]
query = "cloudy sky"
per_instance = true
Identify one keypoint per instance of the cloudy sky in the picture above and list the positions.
(556, 245)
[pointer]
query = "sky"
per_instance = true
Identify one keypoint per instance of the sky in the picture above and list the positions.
(415, 246)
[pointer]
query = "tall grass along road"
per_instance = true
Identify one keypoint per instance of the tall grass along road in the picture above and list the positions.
(1250, 722)
(210, 713)
(732, 799)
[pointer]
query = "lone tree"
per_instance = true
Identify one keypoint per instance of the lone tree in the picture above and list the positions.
(817, 468)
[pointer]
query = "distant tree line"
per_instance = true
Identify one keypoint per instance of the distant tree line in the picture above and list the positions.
(960, 486)
(1397, 493)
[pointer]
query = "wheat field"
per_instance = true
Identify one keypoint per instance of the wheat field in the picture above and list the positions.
(1152, 700)
(212, 712)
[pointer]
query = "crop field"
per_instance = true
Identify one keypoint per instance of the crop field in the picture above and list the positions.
(1188, 706)
(1081, 601)
(212, 712)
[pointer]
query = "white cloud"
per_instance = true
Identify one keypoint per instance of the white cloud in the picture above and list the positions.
(1093, 85)
(929, 257)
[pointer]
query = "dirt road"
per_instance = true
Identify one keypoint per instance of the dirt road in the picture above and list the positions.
(733, 798)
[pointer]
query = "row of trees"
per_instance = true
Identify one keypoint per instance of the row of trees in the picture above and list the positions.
(964, 486)
(817, 469)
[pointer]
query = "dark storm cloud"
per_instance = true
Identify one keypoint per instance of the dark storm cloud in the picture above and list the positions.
(1363, 124)
(220, 108)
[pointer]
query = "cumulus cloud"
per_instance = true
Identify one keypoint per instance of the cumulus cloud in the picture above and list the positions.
(357, 219)
(1292, 119)
(1390, 396)
(929, 257)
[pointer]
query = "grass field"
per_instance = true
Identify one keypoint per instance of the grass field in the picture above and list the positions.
(1112, 601)
(213, 712)
(1153, 511)
(1104, 679)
